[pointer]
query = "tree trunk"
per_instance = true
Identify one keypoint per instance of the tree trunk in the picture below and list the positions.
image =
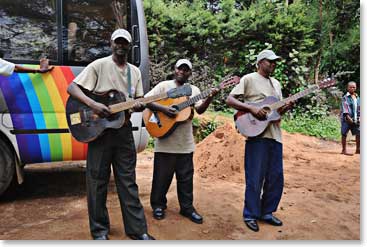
(319, 54)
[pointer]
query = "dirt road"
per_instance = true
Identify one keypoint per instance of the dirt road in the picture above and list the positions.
(321, 197)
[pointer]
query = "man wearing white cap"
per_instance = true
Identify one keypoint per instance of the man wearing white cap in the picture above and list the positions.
(115, 146)
(174, 154)
(263, 153)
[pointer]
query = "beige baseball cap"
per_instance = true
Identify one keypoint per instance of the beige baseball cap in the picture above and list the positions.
(121, 33)
(267, 54)
(183, 61)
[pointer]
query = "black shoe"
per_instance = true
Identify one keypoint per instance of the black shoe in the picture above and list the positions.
(194, 216)
(273, 221)
(158, 213)
(144, 236)
(103, 237)
(252, 224)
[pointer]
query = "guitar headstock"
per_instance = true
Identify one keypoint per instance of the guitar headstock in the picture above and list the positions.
(234, 80)
(184, 90)
(328, 82)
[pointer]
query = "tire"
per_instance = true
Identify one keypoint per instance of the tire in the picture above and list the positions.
(7, 166)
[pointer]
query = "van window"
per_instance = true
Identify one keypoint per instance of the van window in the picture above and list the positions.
(89, 25)
(28, 29)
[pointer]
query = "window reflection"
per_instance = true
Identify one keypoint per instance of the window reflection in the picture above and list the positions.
(89, 25)
(28, 29)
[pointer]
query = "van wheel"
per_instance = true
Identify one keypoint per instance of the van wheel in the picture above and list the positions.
(7, 166)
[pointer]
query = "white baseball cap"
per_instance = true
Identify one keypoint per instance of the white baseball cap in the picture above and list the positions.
(183, 61)
(121, 33)
(267, 54)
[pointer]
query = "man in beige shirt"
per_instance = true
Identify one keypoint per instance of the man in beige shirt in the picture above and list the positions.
(263, 153)
(174, 154)
(115, 146)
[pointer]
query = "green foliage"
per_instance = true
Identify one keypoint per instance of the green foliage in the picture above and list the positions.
(325, 127)
(223, 37)
(203, 128)
(341, 40)
(150, 145)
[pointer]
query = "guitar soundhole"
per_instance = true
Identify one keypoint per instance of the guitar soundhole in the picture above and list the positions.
(267, 109)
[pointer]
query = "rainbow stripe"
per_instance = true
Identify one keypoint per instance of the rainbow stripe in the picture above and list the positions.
(37, 102)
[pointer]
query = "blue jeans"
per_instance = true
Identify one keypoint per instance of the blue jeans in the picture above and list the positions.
(263, 172)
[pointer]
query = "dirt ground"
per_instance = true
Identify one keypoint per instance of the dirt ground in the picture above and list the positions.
(321, 198)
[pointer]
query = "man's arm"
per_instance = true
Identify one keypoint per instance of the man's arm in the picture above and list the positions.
(259, 113)
(97, 107)
(167, 110)
(43, 68)
(21, 69)
(345, 111)
(203, 106)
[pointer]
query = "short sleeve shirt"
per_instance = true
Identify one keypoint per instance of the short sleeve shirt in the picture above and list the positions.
(350, 106)
(181, 140)
(103, 75)
(6, 68)
(255, 88)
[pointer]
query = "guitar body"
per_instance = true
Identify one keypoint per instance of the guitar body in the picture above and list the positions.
(250, 126)
(168, 124)
(84, 124)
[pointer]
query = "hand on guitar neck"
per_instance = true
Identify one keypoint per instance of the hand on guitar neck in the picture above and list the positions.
(289, 105)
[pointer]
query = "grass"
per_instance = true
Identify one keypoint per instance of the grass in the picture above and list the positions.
(327, 128)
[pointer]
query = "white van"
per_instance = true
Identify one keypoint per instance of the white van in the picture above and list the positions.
(71, 34)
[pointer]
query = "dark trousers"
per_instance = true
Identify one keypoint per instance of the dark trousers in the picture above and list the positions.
(263, 171)
(165, 165)
(115, 147)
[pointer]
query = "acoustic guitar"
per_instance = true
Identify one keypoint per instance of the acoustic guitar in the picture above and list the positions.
(160, 125)
(248, 125)
(85, 125)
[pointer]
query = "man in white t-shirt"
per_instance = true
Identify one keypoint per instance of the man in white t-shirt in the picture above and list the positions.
(263, 153)
(115, 146)
(174, 154)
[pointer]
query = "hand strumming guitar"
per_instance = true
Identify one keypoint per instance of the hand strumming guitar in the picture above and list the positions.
(259, 113)
(100, 109)
(170, 111)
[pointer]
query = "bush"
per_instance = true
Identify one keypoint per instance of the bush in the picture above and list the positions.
(203, 128)
(326, 127)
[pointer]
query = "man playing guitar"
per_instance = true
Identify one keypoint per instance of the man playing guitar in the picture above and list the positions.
(263, 153)
(115, 146)
(173, 154)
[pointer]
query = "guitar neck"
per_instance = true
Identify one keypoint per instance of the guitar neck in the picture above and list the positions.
(129, 104)
(194, 99)
(299, 95)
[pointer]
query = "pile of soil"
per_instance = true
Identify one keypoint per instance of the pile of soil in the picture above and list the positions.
(221, 155)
